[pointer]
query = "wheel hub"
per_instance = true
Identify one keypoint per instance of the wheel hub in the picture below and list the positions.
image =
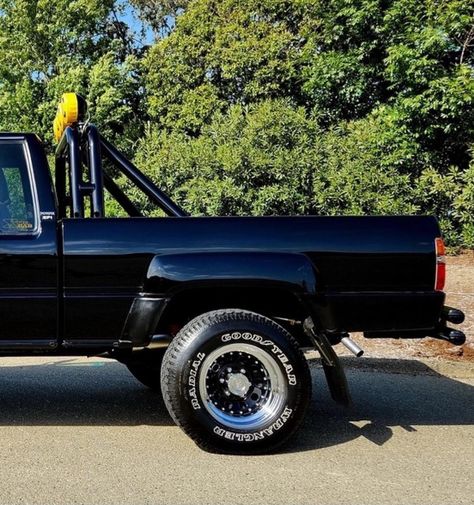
(238, 384)
(242, 386)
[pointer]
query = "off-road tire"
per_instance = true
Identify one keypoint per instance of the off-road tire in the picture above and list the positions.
(235, 382)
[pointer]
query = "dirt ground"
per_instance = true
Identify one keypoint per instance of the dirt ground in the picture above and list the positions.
(460, 294)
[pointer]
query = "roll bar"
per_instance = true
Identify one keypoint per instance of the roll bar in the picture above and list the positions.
(82, 147)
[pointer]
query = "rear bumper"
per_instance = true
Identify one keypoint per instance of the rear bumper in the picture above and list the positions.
(441, 331)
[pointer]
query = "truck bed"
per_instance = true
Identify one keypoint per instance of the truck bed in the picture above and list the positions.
(372, 273)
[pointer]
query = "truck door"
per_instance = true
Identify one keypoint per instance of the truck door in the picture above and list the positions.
(28, 247)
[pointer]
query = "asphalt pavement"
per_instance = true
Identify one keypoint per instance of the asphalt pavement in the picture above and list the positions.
(84, 431)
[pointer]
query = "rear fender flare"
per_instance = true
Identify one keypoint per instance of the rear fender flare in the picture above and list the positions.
(171, 274)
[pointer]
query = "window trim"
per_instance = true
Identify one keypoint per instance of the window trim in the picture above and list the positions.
(36, 230)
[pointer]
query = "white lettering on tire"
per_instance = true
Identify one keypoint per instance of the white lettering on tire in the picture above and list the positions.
(192, 380)
(258, 435)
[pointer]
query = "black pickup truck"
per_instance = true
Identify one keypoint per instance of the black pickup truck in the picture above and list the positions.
(215, 312)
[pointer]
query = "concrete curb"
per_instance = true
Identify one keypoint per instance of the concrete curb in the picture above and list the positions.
(408, 366)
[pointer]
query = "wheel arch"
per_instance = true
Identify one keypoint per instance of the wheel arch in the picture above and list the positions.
(274, 302)
(273, 284)
(181, 286)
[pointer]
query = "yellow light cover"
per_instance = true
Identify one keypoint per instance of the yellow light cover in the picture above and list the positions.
(70, 109)
(58, 127)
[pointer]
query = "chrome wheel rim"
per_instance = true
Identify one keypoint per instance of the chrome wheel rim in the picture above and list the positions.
(242, 387)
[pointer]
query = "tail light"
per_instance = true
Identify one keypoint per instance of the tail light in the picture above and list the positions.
(440, 277)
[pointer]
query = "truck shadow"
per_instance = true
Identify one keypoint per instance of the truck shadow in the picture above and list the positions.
(383, 400)
(71, 392)
(102, 393)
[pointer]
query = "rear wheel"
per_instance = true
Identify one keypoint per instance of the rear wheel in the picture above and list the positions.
(236, 382)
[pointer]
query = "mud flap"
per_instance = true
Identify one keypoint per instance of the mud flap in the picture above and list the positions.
(335, 376)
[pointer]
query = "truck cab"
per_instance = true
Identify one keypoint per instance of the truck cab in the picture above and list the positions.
(29, 247)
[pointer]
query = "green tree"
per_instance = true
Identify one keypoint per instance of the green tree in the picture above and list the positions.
(160, 14)
(275, 106)
(220, 54)
(250, 160)
(50, 47)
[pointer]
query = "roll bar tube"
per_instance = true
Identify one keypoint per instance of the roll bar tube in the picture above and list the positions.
(120, 196)
(96, 173)
(141, 180)
(68, 151)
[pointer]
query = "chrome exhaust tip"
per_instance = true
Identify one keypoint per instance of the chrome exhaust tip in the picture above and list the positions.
(352, 346)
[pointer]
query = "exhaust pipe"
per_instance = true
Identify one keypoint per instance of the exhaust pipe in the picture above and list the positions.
(352, 346)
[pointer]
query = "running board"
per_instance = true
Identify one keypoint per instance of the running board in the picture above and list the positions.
(28, 345)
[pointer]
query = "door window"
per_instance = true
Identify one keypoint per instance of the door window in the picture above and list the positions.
(16, 201)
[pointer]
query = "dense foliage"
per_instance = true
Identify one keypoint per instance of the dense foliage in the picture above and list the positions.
(269, 106)
(48, 47)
